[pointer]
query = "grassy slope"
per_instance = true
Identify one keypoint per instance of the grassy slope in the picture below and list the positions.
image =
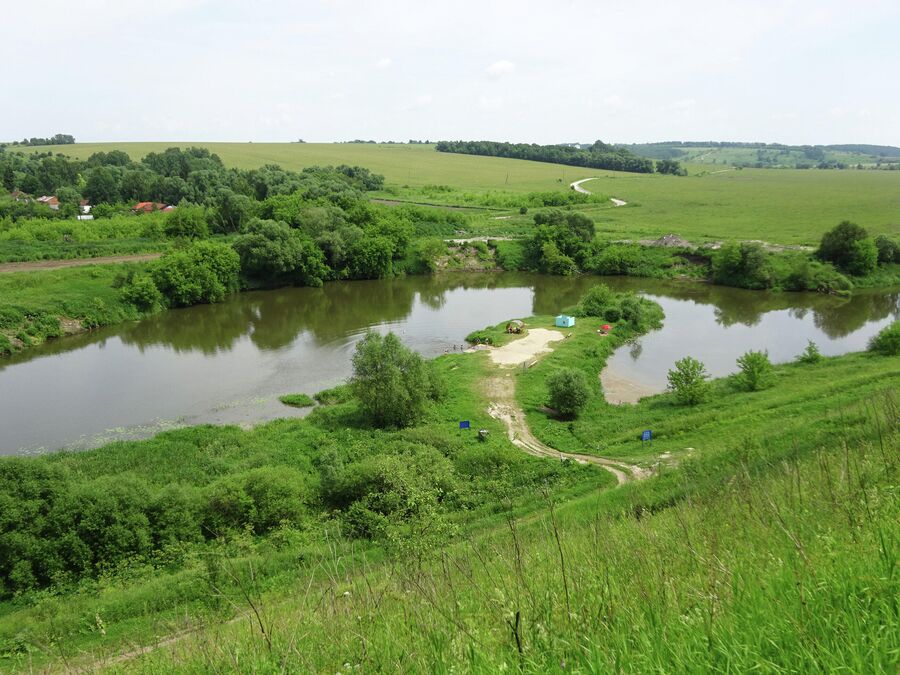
(802, 402)
(769, 556)
(782, 206)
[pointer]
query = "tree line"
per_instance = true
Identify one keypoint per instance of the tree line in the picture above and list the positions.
(56, 139)
(598, 156)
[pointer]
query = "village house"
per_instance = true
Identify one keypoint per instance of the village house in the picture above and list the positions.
(20, 196)
(50, 201)
(150, 207)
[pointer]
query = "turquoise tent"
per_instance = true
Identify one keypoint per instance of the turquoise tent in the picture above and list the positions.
(565, 321)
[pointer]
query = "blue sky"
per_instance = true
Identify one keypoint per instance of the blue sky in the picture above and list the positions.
(798, 71)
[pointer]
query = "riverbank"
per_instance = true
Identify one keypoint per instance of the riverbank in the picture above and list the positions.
(197, 468)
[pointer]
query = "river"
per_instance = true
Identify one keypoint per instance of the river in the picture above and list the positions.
(228, 363)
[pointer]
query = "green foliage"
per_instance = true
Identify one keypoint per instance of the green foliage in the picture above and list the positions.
(756, 371)
(202, 272)
(188, 221)
(688, 380)
(140, 290)
(887, 342)
(568, 391)
(480, 337)
(811, 275)
(811, 354)
(390, 381)
(297, 400)
(261, 499)
(848, 246)
(744, 265)
(639, 314)
(340, 394)
(371, 258)
(274, 253)
(888, 250)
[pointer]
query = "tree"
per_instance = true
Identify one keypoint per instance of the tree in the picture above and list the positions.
(232, 211)
(671, 167)
(839, 246)
(742, 265)
(688, 381)
(273, 252)
(202, 272)
(811, 354)
(188, 221)
(371, 258)
(864, 257)
(888, 250)
(756, 371)
(390, 381)
(102, 186)
(9, 178)
(887, 342)
(569, 391)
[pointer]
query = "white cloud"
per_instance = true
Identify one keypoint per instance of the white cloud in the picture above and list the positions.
(386, 62)
(500, 68)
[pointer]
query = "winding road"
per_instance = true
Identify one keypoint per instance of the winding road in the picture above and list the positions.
(577, 187)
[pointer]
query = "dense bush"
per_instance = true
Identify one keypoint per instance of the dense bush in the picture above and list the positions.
(811, 354)
(848, 246)
(274, 253)
(888, 249)
(688, 380)
(638, 313)
(188, 221)
(203, 272)
(811, 275)
(887, 342)
(744, 265)
(756, 371)
(568, 391)
(390, 381)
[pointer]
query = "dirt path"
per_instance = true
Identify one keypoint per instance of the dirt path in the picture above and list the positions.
(501, 390)
(39, 265)
(577, 187)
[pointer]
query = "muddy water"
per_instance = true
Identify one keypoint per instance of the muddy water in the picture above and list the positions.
(228, 363)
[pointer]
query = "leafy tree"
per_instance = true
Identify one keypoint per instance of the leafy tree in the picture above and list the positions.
(888, 250)
(671, 167)
(845, 246)
(273, 252)
(742, 265)
(390, 381)
(203, 272)
(141, 291)
(689, 381)
(102, 186)
(569, 391)
(188, 221)
(371, 258)
(811, 354)
(9, 178)
(232, 211)
(887, 342)
(756, 371)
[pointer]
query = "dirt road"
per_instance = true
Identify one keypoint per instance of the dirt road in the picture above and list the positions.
(577, 187)
(39, 265)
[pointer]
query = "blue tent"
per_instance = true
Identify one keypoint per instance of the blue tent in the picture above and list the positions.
(565, 321)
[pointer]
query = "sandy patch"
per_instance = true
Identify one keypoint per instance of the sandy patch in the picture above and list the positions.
(618, 390)
(524, 349)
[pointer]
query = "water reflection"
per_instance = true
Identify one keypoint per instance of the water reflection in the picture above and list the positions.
(226, 363)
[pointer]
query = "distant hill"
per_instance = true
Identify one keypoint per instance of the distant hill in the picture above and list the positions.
(771, 155)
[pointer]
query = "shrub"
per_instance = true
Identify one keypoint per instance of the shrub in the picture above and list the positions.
(688, 381)
(810, 275)
(340, 394)
(141, 291)
(599, 301)
(261, 499)
(742, 265)
(480, 337)
(847, 246)
(756, 371)
(811, 354)
(275, 253)
(199, 273)
(569, 391)
(887, 342)
(390, 381)
(188, 221)
(888, 250)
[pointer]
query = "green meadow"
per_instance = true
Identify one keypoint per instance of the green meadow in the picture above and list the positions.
(784, 206)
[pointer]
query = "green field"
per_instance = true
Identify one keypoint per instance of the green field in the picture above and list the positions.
(775, 205)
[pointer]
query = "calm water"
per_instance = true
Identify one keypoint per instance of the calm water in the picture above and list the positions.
(227, 363)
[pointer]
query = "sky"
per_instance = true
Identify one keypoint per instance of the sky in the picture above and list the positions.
(801, 71)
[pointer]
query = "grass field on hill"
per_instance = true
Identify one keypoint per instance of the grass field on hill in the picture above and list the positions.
(776, 205)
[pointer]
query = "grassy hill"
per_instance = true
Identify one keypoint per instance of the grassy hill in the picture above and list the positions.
(780, 206)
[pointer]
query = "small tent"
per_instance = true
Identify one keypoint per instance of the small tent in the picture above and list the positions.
(565, 321)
